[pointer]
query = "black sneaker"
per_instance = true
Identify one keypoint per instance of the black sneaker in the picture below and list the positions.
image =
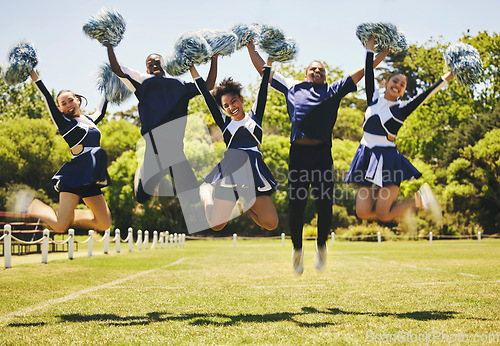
(140, 195)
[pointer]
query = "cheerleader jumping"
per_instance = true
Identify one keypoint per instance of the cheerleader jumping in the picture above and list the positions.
(242, 134)
(312, 106)
(86, 173)
(163, 107)
(378, 168)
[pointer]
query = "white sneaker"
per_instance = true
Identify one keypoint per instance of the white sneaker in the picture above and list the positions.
(23, 201)
(298, 261)
(320, 259)
(430, 203)
(206, 194)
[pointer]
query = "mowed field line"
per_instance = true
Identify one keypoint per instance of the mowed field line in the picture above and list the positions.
(27, 310)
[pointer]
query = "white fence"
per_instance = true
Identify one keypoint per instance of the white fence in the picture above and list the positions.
(160, 240)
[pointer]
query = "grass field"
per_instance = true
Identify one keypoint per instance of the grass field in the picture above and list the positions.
(210, 292)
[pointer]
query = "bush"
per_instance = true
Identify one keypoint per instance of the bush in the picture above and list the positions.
(365, 232)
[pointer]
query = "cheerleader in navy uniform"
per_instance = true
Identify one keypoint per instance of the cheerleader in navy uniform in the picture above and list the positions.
(162, 100)
(86, 173)
(378, 168)
(242, 134)
(314, 103)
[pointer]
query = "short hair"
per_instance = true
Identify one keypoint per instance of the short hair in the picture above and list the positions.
(227, 86)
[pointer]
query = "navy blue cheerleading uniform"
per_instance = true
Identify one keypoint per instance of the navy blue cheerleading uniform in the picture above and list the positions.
(89, 166)
(163, 100)
(244, 135)
(377, 160)
(312, 109)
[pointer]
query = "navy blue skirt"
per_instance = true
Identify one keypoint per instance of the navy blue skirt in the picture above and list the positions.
(239, 168)
(90, 167)
(381, 166)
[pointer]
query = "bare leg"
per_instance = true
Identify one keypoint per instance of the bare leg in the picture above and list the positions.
(386, 208)
(219, 213)
(263, 212)
(60, 222)
(99, 216)
(365, 202)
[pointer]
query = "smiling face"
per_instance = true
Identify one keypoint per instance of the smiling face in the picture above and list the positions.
(233, 105)
(395, 87)
(154, 66)
(315, 73)
(68, 104)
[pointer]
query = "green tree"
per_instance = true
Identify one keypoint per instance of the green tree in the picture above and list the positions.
(118, 136)
(473, 182)
(488, 45)
(32, 153)
(21, 100)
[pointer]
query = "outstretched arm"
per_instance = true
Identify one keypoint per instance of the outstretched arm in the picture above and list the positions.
(213, 107)
(370, 77)
(359, 73)
(257, 60)
(400, 113)
(262, 96)
(113, 62)
(212, 73)
(54, 112)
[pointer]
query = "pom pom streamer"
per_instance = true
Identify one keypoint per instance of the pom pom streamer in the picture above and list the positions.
(220, 42)
(245, 34)
(189, 49)
(387, 36)
(464, 62)
(23, 58)
(110, 85)
(177, 64)
(272, 41)
(106, 25)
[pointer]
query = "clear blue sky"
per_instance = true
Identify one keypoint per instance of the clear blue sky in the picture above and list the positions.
(324, 30)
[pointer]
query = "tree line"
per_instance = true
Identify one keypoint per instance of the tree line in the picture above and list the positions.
(454, 140)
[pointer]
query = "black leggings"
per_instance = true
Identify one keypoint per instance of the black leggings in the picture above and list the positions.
(310, 166)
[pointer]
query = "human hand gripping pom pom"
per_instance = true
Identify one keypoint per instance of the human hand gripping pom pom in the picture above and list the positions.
(245, 34)
(387, 36)
(23, 58)
(464, 62)
(110, 85)
(106, 25)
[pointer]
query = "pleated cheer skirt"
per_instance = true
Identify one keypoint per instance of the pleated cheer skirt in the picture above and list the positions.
(242, 168)
(87, 168)
(381, 166)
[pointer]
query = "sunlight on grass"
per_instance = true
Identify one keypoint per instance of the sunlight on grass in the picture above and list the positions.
(220, 294)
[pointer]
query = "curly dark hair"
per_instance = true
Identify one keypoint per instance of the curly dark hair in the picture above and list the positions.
(227, 86)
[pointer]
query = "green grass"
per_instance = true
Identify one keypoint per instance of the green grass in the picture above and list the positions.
(210, 292)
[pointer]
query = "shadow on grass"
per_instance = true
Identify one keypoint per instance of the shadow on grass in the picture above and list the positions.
(415, 315)
(220, 319)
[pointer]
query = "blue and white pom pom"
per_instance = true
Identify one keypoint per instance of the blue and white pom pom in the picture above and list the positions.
(387, 36)
(106, 25)
(177, 64)
(113, 89)
(193, 47)
(464, 62)
(23, 58)
(189, 49)
(401, 44)
(273, 41)
(245, 34)
(221, 43)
